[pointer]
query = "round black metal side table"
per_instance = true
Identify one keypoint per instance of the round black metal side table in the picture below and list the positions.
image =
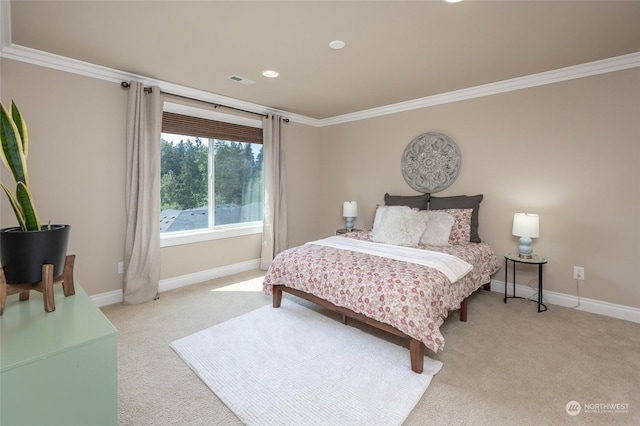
(534, 260)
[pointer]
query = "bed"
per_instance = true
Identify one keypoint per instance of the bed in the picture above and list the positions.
(409, 292)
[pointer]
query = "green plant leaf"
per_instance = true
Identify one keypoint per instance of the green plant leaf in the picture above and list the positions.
(12, 152)
(16, 207)
(21, 125)
(25, 199)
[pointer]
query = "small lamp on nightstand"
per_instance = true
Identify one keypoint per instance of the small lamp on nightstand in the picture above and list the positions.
(526, 226)
(350, 211)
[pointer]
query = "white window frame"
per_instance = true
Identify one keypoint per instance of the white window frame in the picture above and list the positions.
(220, 231)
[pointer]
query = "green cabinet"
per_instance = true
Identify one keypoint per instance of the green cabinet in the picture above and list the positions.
(57, 368)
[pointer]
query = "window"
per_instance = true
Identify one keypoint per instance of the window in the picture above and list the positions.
(211, 183)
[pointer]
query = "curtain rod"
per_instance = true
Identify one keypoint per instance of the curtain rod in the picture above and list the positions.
(126, 85)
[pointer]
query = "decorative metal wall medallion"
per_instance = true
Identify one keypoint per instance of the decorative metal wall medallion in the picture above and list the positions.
(431, 162)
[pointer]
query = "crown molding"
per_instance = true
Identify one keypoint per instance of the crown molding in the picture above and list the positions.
(49, 60)
(617, 63)
(74, 66)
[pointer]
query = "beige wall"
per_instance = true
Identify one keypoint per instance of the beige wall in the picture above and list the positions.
(76, 163)
(568, 151)
(77, 170)
(578, 141)
(304, 177)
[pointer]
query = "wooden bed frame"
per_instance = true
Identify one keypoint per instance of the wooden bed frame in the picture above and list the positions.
(416, 348)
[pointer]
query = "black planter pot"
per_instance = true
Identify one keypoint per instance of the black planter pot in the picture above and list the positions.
(24, 252)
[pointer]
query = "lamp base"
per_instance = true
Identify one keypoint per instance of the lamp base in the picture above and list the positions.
(524, 249)
(349, 224)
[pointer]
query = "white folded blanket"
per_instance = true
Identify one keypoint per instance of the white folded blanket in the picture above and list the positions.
(451, 266)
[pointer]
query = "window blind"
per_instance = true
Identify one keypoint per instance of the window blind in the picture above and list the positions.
(212, 129)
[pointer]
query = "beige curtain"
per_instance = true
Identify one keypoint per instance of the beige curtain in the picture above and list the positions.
(274, 234)
(142, 192)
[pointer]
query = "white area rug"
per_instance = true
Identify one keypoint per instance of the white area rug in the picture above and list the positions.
(293, 366)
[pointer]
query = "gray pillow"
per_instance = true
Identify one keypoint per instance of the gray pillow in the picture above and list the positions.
(460, 202)
(414, 201)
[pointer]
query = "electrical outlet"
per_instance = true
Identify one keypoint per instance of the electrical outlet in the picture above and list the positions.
(578, 273)
(120, 267)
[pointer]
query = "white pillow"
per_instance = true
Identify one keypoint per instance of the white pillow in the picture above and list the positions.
(398, 225)
(438, 228)
(378, 217)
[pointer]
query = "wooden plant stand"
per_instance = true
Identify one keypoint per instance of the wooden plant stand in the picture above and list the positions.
(45, 286)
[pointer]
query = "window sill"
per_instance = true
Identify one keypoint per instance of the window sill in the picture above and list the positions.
(180, 238)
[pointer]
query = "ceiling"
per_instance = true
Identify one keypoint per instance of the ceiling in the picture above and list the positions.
(395, 51)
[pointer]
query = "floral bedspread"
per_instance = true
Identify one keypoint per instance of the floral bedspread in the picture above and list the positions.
(412, 298)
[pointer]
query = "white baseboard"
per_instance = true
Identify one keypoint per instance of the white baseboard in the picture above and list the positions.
(210, 274)
(112, 297)
(613, 310)
(108, 298)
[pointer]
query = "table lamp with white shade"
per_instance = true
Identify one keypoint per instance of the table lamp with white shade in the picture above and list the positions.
(350, 211)
(526, 226)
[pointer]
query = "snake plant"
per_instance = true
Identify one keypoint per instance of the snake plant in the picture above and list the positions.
(15, 149)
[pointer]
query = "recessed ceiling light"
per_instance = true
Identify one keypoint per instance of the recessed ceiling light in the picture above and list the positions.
(452, 1)
(337, 44)
(270, 73)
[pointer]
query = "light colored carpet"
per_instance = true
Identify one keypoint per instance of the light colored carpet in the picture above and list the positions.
(293, 366)
(507, 365)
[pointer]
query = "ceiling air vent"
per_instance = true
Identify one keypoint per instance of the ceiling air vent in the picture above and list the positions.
(241, 80)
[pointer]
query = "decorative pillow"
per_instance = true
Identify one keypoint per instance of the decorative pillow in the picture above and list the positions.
(398, 225)
(438, 229)
(377, 220)
(461, 229)
(460, 202)
(417, 201)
